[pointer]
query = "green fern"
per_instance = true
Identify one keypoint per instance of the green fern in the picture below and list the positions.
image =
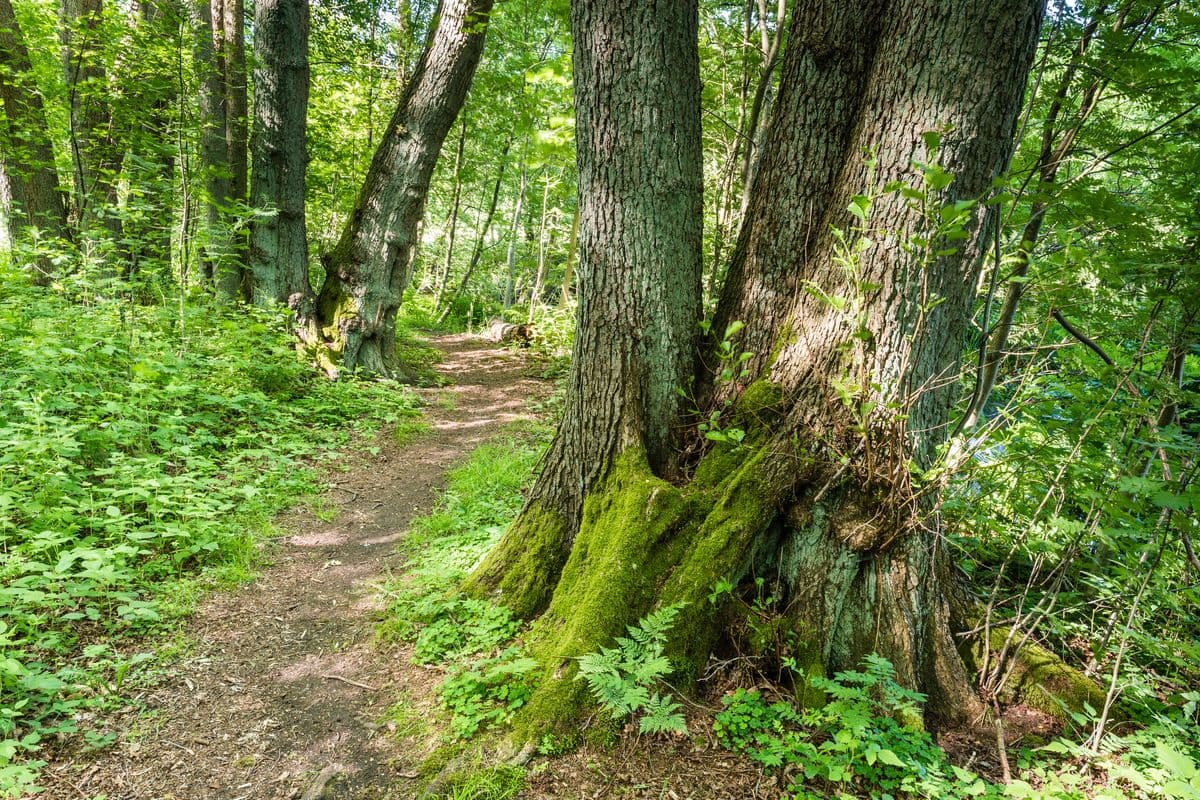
(622, 678)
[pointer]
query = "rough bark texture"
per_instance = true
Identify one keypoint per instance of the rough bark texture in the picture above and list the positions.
(856, 356)
(638, 153)
(370, 267)
(278, 257)
(37, 203)
(859, 554)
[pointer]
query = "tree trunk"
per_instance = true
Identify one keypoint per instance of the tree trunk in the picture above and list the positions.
(515, 228)
(638, 150)
(1057, 143)
(39, 215)
(219, 256)
(368, 270)
(149, 213)
(535, 297)
(278, 253)
(233, 44)
(96, 155)
(481, 237)
(452, 216)
(855, 340)
(569, 267)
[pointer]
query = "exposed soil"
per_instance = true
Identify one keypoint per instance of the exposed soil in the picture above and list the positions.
(285, 688)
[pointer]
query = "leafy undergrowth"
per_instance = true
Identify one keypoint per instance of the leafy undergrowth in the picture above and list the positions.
(854, 745)
(140, 448)
(484, 678)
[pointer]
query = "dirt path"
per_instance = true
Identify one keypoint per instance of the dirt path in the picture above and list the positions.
(284, 689)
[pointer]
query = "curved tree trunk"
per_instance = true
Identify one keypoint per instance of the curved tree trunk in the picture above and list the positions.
(278, 254)
(37, 203)
(856, 342)
(368, 270)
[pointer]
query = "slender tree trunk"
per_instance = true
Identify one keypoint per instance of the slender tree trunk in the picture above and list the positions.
(535, 297)
(150, 206)
(278, 253)
(855, 342)
(218, 257)
(481, 237)
(514, 229)
(368, 270)
(452, 216)
(233, 42)
(39, 216)
(569, 267)
(96, 153)
(1058, 141)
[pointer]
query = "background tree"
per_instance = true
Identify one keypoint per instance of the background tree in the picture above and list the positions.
(278, 253)
(28, 162)
(368, 270)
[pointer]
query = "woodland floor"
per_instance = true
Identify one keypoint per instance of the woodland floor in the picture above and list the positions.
(283, 690)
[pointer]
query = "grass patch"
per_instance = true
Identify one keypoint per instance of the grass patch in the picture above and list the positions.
(490, 783)
(485, 680)
(143, 453)
(482, 496)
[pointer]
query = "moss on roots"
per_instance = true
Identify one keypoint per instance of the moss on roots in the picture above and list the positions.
(1040, 679)
(635, 527)
(519, 571)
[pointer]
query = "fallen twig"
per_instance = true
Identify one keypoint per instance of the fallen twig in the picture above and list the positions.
(352, 683)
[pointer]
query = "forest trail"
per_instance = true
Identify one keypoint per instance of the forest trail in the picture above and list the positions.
(283, 689)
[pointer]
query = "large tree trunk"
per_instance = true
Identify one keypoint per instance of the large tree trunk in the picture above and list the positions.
(37, 203)
(640, 193)
(278, 258)
(856, 341)
(368, 270)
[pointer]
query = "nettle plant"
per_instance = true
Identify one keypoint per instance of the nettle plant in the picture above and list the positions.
(625, 680)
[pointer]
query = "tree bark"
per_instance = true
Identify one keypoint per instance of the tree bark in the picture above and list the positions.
(219, 255)
(855, 297)
(278, 253)
(39, 214)
(368, 270)
(638, 148)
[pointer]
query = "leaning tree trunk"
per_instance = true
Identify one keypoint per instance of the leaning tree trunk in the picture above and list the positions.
(856, 339)
(640, 193)
(278, 258)
(37, 203)
(371, 265)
